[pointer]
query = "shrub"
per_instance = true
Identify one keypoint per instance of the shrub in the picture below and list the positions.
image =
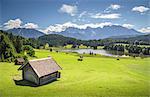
(29, 50)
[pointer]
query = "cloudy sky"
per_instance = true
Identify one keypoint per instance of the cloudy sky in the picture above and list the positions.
(57, 15)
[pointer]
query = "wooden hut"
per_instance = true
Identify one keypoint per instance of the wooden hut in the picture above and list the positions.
(19, 61)
(41, 71)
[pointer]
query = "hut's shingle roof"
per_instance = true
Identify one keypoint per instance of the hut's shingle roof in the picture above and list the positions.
(20, 59)
(44, 66)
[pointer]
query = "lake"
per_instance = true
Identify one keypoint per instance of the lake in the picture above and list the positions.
(101, 52)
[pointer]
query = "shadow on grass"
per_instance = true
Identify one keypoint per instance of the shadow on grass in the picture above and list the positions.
(28, 83)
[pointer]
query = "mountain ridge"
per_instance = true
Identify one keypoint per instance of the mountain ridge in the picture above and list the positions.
(83, 34)
(98, 33)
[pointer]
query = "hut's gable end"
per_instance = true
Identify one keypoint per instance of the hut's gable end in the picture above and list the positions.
(30, 75)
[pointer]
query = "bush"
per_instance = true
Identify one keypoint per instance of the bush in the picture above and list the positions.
(29, 50)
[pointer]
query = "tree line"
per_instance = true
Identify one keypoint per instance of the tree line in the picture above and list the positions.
(12, 47)
(134, 49)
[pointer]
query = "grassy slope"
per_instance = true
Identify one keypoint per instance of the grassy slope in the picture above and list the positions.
(94, 77)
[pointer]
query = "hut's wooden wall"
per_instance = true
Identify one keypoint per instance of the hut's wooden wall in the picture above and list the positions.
(29, 74)
(48, 78)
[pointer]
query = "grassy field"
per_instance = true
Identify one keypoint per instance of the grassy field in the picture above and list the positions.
(93, 77)
(82, 47)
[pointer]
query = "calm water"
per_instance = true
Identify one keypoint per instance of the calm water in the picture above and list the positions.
(102, 52)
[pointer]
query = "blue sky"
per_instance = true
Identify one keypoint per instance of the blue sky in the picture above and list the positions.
(44, 14)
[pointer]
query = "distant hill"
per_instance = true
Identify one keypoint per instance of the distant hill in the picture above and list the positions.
(56, 40)
(123, 36)
(145, 38)
(98, 33)
(27, 33)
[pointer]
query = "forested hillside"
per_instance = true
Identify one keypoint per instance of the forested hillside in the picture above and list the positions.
(7, 49)
(12, 46)
(144, 38)
(57, 40)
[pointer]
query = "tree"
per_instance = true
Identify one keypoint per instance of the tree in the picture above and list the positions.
(7, 51)
(46, 46)
(18, 44)
(94, 47)
(29, 50)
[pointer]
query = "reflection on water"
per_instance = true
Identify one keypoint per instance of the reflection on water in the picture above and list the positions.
(102, 52)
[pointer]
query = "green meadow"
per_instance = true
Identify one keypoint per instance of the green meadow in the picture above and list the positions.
(95, 76)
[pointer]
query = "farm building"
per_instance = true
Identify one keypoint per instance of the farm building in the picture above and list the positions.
(19, 61)
(41, 71)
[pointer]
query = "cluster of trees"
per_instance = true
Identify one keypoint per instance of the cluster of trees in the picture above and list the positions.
(138, 50)
(12, 46)
(27, 49)
(7, 50)
(114, 47)
(135, 49)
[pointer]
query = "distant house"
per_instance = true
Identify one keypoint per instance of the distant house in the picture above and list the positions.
(41, 71)
(19, 61)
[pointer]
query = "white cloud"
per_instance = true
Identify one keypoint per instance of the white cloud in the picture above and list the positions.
(63, 27)
(17, 23)
(114, 6)
(30, 26)
(106, 16)
(145, 30)
(140, 9)
(69, 9)
(82, 14)
(129, 26)
(13, 24)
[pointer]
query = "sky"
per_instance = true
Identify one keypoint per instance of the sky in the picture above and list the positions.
(57, 15)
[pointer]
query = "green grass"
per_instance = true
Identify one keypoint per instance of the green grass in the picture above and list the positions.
(82, 47)
(93, 77)
(68, 46)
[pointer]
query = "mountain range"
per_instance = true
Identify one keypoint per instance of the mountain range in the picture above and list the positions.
(83, 34)
(99, 33)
